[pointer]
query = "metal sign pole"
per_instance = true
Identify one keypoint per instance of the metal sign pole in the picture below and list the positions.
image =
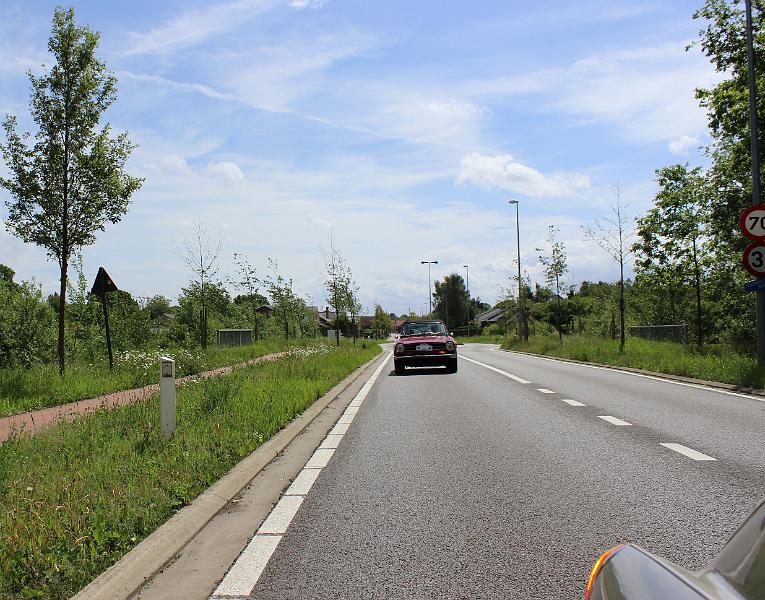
(756, 194)
(108, 331)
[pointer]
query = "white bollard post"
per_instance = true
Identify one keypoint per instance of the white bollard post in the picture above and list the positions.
(167, 396)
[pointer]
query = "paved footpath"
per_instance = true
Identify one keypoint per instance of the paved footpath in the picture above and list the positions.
(32, 422)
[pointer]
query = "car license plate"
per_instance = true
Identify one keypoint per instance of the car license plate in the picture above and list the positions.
(421, 347)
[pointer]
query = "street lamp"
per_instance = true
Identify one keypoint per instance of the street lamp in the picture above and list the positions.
(521, 329)
(467, 284)
(430, 295)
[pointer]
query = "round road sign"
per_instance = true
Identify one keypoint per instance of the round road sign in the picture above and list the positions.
(752, 222)
(754, 259)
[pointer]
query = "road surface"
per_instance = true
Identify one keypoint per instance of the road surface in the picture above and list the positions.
(508, 479)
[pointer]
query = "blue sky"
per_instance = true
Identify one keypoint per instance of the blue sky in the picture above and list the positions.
(401, 128)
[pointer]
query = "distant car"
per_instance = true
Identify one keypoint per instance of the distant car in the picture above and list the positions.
(628, 572)
(424, 344)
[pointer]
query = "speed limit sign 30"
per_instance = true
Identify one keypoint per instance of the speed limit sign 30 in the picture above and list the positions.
(754, 259)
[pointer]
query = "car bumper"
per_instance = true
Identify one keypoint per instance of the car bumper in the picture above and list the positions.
(424, 360)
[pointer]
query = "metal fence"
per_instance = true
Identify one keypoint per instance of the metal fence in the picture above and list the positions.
(234, 337)
(671, 333)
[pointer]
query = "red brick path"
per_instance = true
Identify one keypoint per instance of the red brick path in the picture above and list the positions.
(29, 423)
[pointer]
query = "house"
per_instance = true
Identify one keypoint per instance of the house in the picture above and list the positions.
(495, 315)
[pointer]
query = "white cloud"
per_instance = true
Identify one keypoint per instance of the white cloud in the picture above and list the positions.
(302, 4)
(195, 26)
(504, 172)
(171, 164)
(683, 144)
(226, 170)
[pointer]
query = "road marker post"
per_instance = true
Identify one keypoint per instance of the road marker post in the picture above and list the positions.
(167, 417)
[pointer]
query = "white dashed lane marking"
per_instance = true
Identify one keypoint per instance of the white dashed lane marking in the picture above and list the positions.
(573, 402)
(500, 371)
(686, 451)
(545, 391)
(245, 572)
(614, 420)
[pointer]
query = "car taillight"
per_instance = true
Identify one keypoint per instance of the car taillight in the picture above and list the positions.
(450, 346)
(399, 348)
(598, 567)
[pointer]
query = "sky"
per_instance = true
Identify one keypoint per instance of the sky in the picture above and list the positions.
(398, 129)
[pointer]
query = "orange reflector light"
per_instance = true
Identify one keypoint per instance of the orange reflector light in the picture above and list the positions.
(598, 566)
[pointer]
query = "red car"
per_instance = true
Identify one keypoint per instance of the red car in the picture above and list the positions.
(425, 344)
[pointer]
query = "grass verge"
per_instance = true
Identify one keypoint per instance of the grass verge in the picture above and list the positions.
(481, 339)
(713, 363)
(77, 497)
(41, 386)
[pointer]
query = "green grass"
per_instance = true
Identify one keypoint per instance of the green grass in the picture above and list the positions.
(41, 386)
(713, 363)
(77, 497)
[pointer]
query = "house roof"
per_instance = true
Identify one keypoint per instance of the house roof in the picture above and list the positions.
(491, 316)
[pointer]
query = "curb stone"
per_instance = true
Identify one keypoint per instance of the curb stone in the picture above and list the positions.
(126, 577)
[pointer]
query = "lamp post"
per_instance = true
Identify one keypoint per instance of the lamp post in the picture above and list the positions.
(467, 284)
(430, 295)
(522, 333)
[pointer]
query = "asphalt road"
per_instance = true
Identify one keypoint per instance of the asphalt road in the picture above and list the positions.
(477, 485)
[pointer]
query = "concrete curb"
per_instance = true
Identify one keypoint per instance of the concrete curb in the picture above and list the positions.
(729, 387)
(125, 578)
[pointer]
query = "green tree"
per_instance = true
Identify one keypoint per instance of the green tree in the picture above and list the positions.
(381, 323)
(612, 234)
(287, 307)
(71, 182)
(27, 326)
(555, 263)
(217, 303)
(339, 285)
(450, 301)
(672, 246)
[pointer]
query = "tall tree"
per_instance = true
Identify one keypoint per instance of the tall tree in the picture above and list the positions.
(71, 182)
(613, 235)
(338, 282)
(200, 251)
(381, 323)
(673, 241)
(555, 262)
(450, 300)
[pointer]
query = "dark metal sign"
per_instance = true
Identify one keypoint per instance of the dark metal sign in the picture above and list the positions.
(102, 286)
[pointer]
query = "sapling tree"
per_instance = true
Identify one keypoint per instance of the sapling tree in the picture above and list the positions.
(555, 263)
(69, 181)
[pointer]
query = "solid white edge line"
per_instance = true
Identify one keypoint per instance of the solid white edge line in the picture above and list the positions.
(655, 378)
(614, 421)
(495, 369)
(246, 571)
(303, 483)
(242, 577)
(686, 451)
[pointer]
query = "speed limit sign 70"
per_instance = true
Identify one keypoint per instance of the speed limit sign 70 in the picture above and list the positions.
(752, 222)
(754, 259)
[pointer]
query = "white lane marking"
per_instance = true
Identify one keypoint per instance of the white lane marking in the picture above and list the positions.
(320, 458)
(614, 420)
(573, 402)
(303, 482)
(351, 410)
(281, 515)
(346, 419)
(331, 441)
(246, 571)
(340, 429)
(686, 451)
(500, 371)
(655, 378)
(545, 391)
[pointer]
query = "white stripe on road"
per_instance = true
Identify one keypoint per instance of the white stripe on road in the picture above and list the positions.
(686, 451)
(245, 572)
(614, 420)
(654, 377)
(545, 391)
(500, 371)
(240, 580)
(573, 402)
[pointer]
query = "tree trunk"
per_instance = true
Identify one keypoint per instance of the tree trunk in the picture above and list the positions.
(621, 306)
(61, 309)
(699, 334)
(557, 316)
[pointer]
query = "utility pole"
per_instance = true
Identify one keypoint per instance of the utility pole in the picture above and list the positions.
(522, 331)
(430, 293)
(467, 284)
(756, 193)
